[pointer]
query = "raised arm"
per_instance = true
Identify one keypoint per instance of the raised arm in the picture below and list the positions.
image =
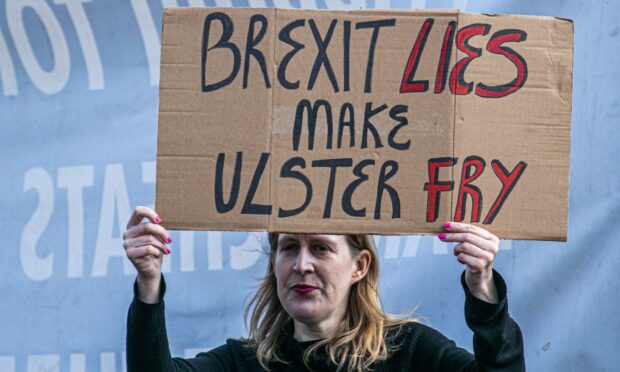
(145, 245)
(147, 340)
(498, 342)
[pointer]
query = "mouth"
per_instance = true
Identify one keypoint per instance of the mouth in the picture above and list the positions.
(303, 289)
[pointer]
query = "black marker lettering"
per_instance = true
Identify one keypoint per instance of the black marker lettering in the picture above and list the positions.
(251, 42)
(227, 25)
(333, 164)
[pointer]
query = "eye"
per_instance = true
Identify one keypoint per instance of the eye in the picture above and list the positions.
(287, 247)
(321, 248)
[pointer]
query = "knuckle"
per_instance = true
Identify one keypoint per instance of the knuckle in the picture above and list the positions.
(149, 228)
(468, 238)
(463, 247)
(137, 252)
(153, 240)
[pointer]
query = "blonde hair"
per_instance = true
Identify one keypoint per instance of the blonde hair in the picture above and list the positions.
(361, 339)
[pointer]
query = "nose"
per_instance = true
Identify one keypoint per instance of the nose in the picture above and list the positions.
(304, 262)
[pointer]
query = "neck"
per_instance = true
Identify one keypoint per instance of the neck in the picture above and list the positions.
(315, 331)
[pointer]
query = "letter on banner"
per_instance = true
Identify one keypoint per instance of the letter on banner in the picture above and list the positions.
(35, 267)
(47, 82)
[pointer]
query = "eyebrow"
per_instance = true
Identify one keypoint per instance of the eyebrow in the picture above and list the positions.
(314, 239)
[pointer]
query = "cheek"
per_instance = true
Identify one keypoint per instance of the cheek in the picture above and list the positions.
(279, 270)
(340, 278)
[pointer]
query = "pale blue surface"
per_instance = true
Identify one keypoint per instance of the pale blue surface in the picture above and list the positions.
(564, 295)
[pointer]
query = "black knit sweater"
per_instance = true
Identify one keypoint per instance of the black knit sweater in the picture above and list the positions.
(498, 344)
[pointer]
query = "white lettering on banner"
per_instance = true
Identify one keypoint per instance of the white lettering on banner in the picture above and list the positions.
(35, 267)
(418, 4)
(115, 202)
(108, 362)
(224, 3)
(7, 70)
(392, 247)
(241, 256)
(47, 82)
(175, 3)
(150, 38)
(115, 208)
(148, 171)
(382, 4)
(7, 363)
(186, 251)
(346, 5)
(307, 4)
(276, 3)
(247, 254)
(57, 362)
(215, 257)
(412, 243)
(460, 4)
(87, 41)
(74, 179)
(77, 363)
(47, 363)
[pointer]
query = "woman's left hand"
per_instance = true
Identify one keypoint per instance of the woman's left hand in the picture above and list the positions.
(476, 248)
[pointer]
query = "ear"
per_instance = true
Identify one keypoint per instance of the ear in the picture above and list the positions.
(362, 264)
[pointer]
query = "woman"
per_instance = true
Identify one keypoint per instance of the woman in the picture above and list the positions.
(318, 309)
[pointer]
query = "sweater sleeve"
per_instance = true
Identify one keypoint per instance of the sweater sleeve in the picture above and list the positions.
(147, 342)
(498, 342)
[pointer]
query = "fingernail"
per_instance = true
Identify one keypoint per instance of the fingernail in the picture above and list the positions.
(446, 225)
(441, 236)
(168, 240)
(157, 219)
(167, 250)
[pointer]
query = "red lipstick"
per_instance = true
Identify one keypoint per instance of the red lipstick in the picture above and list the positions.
(303, 289)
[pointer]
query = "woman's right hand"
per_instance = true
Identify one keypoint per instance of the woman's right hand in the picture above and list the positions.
(145, 246)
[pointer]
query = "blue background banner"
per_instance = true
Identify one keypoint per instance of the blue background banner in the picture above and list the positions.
(78, 125)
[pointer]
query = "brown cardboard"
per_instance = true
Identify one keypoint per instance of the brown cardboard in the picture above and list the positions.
(528, 123)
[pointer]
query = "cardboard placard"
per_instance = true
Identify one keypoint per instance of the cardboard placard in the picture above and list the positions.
(383, 122)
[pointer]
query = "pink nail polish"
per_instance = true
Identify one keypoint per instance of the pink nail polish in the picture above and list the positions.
(157, 219)
(167, 250)
(168, 240)
(446, 225)
(441, 236)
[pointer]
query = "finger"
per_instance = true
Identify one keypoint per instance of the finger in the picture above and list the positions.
(472, 229)
(471, 239)
(136, 253)
(148, 229)
(473, 263)
(474, 251)
(145, 240)
(139, 213)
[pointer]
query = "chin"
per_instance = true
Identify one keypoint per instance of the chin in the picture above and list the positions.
(304, 314)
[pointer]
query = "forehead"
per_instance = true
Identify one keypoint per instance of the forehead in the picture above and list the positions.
(312, 238)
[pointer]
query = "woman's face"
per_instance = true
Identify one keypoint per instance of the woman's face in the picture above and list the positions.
(314, 275)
